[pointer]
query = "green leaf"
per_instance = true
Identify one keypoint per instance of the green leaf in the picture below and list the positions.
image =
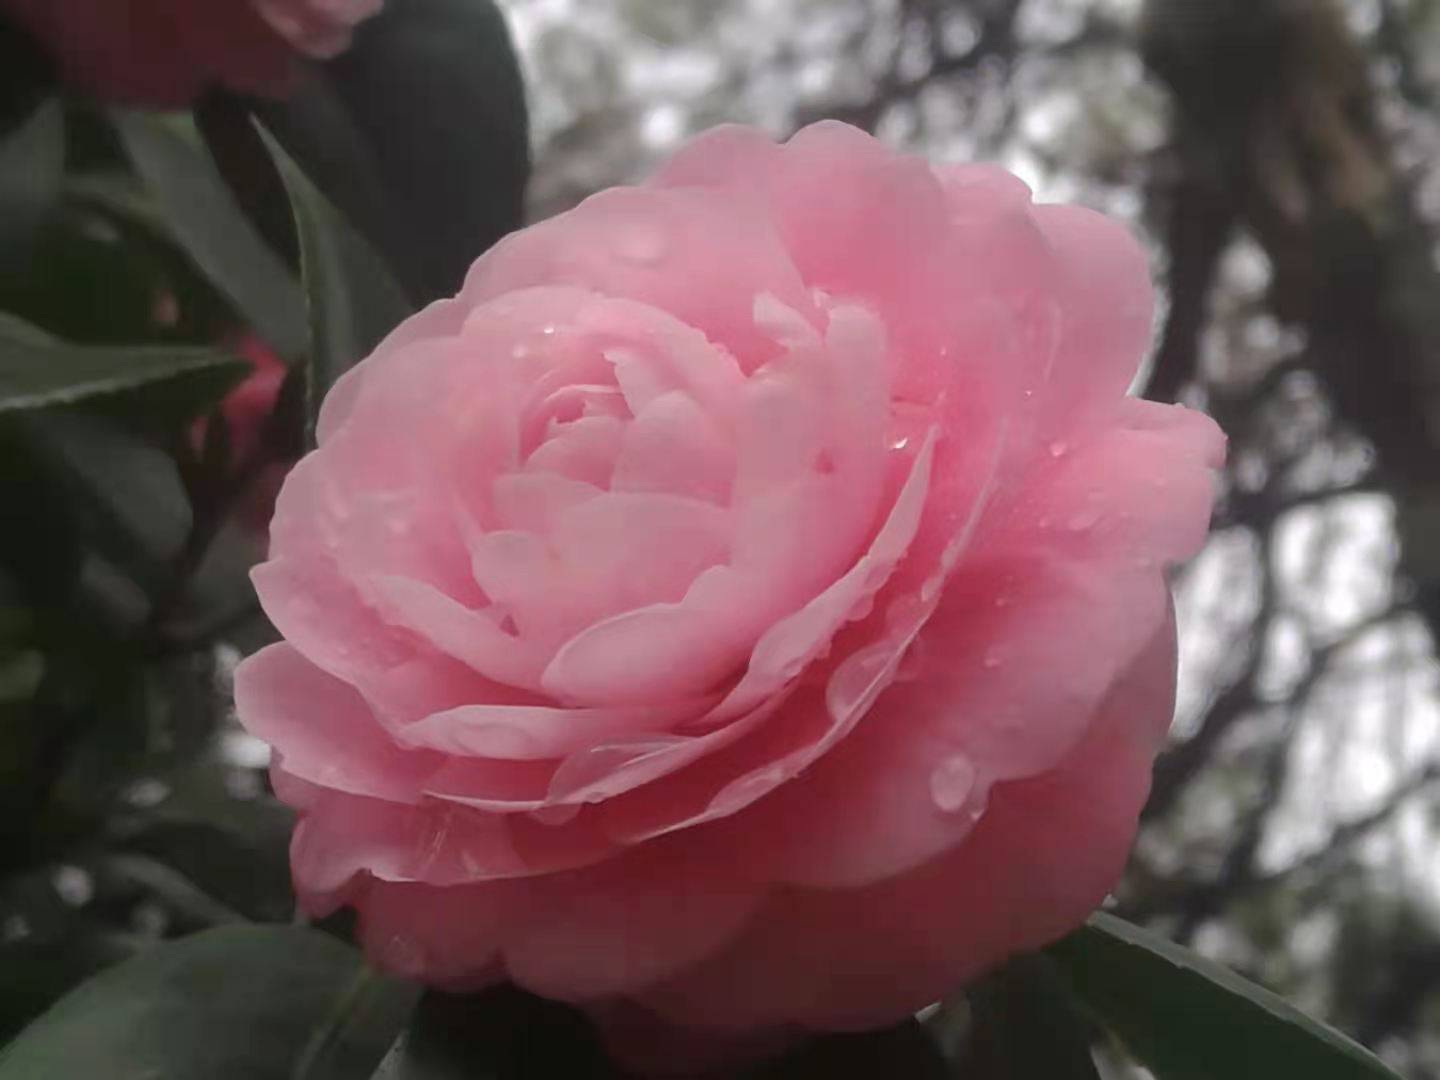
(209, 224)
(121, 495)
(105, 270)
(38, 372)
(1008, 1009)
(234, 1003)
(902, 1052)
(231, 135)
(354, 302)
(32, 161)
(35, 973)
(501, 1034)
(419, 134)
(1186, 1018)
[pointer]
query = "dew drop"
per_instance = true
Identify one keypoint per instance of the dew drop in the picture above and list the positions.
(990, 661)
(1058, 449)
(520, 352)
(1086, 519)
(548, 330)
(952, 782)
(1002, 601)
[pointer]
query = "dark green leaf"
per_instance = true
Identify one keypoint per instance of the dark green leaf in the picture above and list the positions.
(1186, 1018)
(35, 973)
(354, 302)
(32, 160)
(230, 134)
(36, 373)
(1023, 1024)
(903, 1052)
(123, 496)
(502, 1034)
(418, 133)
(232, 847)
(105, 270)
(209, 223)
(235, 1003)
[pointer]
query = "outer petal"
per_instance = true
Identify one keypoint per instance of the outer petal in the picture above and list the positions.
(341, 836)
(915, 776)
(450, 936)
(609, 929)
(1043, 856)
(1069, 584)
(628, 922)
(1106, 311)
(323, 730)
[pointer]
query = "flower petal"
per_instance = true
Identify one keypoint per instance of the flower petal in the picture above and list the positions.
(1043, 856)
(536, 732)
(323, 730)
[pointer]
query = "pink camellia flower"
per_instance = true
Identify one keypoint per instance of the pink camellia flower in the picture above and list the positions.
(742, 606)
(164, 52)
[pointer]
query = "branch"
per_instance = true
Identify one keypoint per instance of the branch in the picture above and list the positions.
(996, 39)
(1177, 766)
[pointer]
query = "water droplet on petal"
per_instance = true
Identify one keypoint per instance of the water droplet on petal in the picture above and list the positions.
(1086, 519)
(952, 782)
(547, 330)
(1058, 449)
(520, 352)
(1002, 601)
(990, 661)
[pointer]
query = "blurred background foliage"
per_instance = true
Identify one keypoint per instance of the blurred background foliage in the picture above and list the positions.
(1281, 159)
